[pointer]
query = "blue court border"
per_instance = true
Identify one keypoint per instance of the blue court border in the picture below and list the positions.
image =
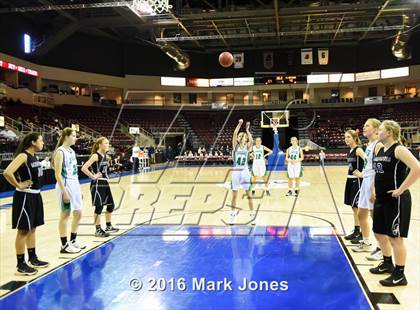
(363, 287)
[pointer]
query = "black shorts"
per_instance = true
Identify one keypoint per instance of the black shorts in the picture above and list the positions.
(101, 196)
(391, 216)
(27, 211)
(352, 191)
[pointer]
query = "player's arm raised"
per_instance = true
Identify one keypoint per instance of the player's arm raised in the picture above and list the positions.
(403, 154)
(248, 132)
(235, 134)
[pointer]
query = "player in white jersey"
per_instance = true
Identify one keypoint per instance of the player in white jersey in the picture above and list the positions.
(68, 190)
(241, 177)
(258, 163)
(294, 158)
(365, 206)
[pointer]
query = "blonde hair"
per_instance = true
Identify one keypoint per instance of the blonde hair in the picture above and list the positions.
(65, 133)
(97, 143)
(355, 136)
(393, 128)
(374, 122)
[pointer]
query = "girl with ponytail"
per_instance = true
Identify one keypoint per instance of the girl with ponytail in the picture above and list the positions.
(351, 195)
(96, 168)
(24, 173)
(68, 190)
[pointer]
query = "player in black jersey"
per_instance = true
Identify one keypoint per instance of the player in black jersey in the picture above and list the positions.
(24, 173)
(391, 213)
(355, 160)
(99, 187)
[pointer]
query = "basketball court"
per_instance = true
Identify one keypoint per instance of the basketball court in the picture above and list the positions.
(173, 232)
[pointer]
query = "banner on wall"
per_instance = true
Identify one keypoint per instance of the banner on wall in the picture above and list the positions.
(134, 130)
(268, 59)
(373, 100)
(323, 54)
(238, 60)
(306, 56)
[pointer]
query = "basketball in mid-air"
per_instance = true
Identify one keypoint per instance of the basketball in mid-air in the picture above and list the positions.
(226, 59)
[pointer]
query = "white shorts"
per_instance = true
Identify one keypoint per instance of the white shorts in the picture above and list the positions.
(258, 168)
(294, 171)
(241, 179)
(365, 192)
(73, 189)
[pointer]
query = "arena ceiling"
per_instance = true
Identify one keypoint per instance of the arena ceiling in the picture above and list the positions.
(214, 25)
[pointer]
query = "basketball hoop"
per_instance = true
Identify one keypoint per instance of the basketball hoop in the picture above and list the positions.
(274, 118)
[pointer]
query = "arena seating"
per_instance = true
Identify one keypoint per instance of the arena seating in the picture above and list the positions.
(327, 129)
(330, 124)
(208, 125)
(27, 113)
(99, 119)
(151, 120)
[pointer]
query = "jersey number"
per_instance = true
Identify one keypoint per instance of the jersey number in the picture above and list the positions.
(293, 156)
(241, 161)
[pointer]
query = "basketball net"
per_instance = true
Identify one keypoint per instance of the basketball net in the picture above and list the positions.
(150, 7)
(275, 121)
